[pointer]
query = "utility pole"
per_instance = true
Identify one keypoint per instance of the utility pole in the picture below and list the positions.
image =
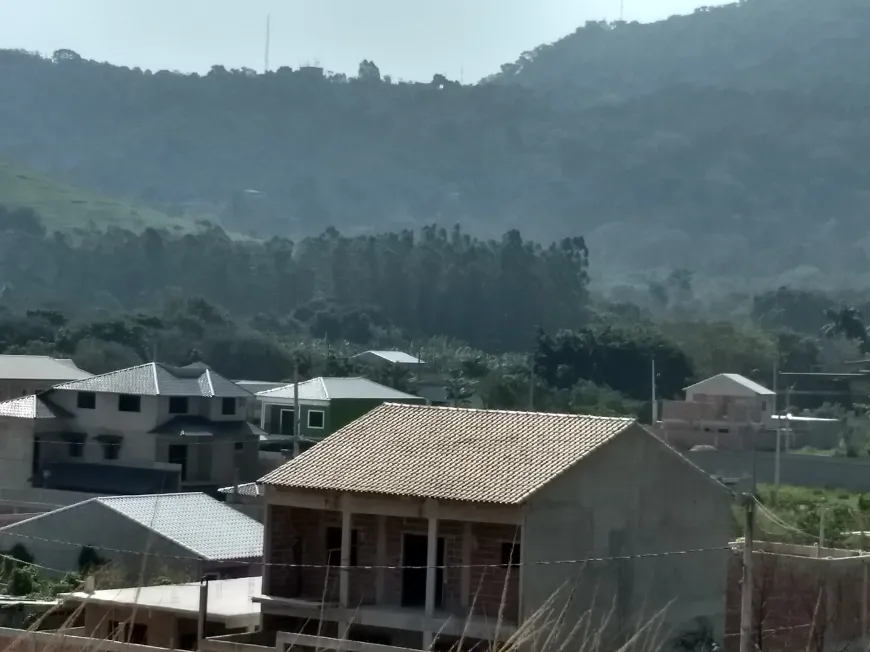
(531, 382)
(268, 41)
(776, 463)
(822, 515)
(746, 588)
(296, 410)
(655, 405)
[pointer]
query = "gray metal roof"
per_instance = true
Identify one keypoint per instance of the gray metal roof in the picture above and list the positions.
(156, 379)
(255, 386)
(193, 425)
(39, 367)
(327, 389)
(31, 407)
(395, 357)
(207, 527)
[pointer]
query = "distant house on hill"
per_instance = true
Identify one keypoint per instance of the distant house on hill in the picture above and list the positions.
(325, 405)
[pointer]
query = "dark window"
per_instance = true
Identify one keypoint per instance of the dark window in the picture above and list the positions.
(510, 554)
(177, 405)
(111, 450)
(239, 445)
(136, 633)
(76, 448)
(178, 455)
(315, 418)
(333, 546)
(87, 401)
(228, 406)
(129, 403)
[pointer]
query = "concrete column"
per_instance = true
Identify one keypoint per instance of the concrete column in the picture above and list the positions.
(465, 571)
(267, 548)
(344, 572)
(431, 576)
(381, 559)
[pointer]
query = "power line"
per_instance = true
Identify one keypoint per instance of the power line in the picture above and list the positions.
(560, 562)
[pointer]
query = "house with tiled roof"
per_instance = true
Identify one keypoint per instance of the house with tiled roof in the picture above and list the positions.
(418, 525)
(146, 429)
(184, 534)
(325, 405)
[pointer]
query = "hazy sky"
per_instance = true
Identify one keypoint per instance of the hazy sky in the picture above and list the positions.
(410, 39)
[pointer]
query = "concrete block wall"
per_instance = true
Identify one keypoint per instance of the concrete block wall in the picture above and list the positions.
(799, 602)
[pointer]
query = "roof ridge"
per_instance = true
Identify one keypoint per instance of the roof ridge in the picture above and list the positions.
(108, 373)
(419, 406)
(208, 379)
(323, 387)
(154, 373)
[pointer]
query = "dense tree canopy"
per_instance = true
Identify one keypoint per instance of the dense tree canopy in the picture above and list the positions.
(489, 293)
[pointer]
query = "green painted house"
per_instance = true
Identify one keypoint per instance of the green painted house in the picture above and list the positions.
(325, 405)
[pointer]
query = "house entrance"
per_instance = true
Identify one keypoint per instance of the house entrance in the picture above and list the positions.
(414, 579)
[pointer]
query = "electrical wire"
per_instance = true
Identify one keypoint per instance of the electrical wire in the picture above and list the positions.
(559, 562)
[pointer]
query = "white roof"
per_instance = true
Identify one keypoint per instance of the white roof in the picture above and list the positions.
(229, 601)
(396, 357)
(721, 380)
(40, 367)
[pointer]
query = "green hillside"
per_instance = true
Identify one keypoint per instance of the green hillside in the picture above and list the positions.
(63, 207)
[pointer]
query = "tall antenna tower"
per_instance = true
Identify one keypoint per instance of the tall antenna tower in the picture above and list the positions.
(268, 39)
(621, 10)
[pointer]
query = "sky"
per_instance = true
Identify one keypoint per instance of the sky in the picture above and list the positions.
(408, 39)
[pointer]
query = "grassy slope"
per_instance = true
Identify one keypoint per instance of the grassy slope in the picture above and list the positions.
(64, 207)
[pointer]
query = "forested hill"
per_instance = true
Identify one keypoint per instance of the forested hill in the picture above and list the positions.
(804, 46)
(746, 182)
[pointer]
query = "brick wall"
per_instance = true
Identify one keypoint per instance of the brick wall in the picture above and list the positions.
(799, 603)
(298, 536)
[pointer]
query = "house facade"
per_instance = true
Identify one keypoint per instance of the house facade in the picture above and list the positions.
(417, 526)
(727, 411)
(325, 405)
(146, 429)
(21, 375)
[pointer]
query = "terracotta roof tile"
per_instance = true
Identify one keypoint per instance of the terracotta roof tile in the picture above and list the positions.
(489, 456)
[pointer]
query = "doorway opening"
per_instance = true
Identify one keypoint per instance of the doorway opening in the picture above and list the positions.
(414, 553)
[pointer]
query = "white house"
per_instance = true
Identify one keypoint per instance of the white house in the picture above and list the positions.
(147, 429)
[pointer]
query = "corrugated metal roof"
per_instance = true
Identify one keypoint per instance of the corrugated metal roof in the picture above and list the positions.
(39, 367)
(326, 389)
(205, 526)
(396, 357)
(488, 456)
(156, 379)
